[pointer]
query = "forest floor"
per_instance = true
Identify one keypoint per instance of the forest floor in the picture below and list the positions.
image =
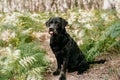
(110, 70)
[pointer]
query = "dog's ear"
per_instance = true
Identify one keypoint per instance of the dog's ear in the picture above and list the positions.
(47, 23)
(64, 23)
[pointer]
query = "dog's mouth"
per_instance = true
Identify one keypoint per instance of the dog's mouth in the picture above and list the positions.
(51, 31)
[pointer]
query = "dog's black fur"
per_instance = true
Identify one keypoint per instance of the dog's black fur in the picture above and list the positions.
(69, 56)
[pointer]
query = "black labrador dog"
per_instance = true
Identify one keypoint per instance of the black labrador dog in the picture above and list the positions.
(69, 56)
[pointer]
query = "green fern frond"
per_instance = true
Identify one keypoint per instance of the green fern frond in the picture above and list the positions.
(27, 61)
(36, 71)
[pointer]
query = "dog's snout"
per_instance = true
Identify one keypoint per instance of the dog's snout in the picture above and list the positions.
(51, 29)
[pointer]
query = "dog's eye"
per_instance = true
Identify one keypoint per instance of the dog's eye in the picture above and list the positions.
(51, 22)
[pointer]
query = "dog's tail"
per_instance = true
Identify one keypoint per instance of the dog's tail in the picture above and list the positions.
(97, 62)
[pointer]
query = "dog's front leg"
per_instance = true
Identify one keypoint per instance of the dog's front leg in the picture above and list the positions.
(57, 72)
(63, 72)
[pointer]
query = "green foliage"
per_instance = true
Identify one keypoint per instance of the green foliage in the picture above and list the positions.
(2, 43)
(23, 59)
(31, 21)
(26, 59)
(21, 56)
(106, 40)
(33, 60)
(25, 22)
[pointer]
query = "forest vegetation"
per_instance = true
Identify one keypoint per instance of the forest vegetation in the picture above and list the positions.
(95, 27)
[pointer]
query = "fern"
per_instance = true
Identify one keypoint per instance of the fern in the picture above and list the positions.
(114, 30)
(21, 55)
(105, 42)
(27, 61)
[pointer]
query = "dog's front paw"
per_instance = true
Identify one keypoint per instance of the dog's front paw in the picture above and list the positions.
(62, 78)
(57, 72)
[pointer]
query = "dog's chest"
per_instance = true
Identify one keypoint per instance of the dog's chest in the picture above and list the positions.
(55, 45)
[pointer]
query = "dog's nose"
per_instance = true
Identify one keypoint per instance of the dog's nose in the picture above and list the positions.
(51, 29)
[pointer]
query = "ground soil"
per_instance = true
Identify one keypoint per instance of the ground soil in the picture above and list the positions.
(110, 70)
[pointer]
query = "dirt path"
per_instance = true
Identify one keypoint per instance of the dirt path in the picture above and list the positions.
(110, 70)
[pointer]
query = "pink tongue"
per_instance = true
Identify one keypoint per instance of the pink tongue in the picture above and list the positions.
(51, 32)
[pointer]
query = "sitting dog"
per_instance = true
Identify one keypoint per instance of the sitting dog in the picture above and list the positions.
(68, 55)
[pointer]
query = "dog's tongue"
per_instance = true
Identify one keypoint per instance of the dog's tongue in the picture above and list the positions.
(51, 32)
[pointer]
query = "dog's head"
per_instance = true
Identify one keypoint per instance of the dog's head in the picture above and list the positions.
(56, 25)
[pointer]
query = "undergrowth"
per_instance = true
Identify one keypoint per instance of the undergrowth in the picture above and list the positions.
(21, 56)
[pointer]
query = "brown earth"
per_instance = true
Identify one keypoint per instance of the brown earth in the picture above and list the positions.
(110, 70)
